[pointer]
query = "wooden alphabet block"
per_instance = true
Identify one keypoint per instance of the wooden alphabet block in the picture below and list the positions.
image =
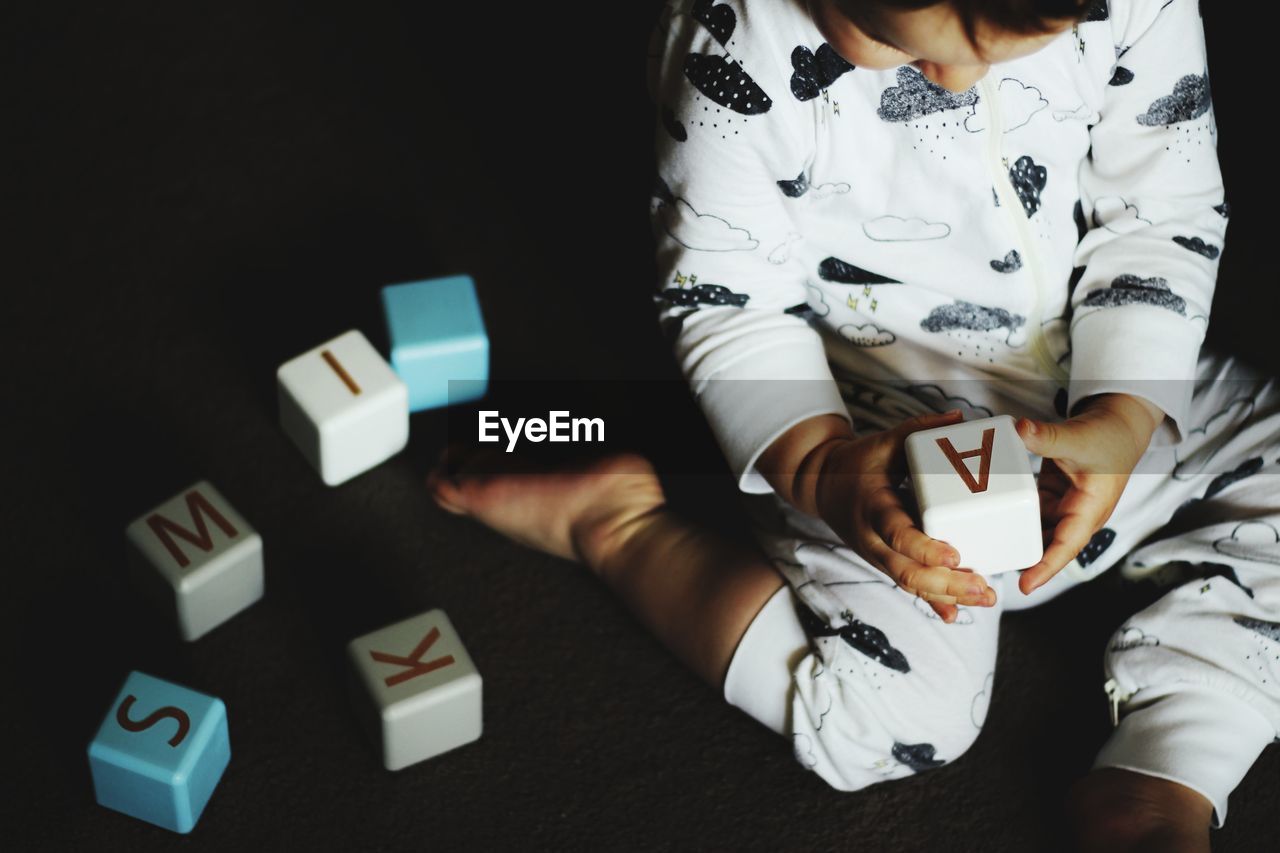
(199, 557)
(344, 407)
(976, 492)
(438, 342)
(160, 752)
(417, 690)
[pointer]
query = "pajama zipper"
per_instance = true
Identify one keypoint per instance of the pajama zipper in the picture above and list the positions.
(999, 166)
(1117, 696)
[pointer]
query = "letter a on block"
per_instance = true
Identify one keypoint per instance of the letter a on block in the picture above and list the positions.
(984, 461)
(416, 666)
(198, 505)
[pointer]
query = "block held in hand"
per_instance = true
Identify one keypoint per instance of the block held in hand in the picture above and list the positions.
(976, 492)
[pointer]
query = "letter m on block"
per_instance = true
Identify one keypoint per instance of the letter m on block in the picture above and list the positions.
(201, 510)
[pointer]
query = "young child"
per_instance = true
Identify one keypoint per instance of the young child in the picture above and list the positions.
(878, 216)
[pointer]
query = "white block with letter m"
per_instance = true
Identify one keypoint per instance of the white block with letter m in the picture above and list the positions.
(198, 557)
(976, 492)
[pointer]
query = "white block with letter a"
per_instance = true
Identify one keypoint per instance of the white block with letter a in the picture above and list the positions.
(199, 557)
(976, 492)
(418, 692)
(344, 407)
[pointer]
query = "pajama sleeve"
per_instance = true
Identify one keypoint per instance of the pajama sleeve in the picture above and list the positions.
(1153, 185)
(733, 144)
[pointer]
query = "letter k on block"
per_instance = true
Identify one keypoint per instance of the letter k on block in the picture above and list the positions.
(416, 666)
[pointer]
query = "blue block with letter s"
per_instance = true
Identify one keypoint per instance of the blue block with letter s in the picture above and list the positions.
(160, 752)
(438, 343)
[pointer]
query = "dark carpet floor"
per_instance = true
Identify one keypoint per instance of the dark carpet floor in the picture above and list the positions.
(192, 196)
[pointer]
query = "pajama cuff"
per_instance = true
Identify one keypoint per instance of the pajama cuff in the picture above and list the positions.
(1140, 350)
(1202, 738)
(759, 677)
(751, 403)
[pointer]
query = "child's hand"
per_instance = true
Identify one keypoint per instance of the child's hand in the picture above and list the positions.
(1087, 462)
(855, 495)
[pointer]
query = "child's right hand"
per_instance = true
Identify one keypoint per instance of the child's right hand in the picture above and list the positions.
(849, 482)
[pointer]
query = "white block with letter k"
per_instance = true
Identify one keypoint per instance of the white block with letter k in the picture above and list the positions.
(418, 691)
(976, 492)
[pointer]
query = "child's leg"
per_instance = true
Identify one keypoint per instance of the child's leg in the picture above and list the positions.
(695, 590)
(1198, 672)
(868, 681)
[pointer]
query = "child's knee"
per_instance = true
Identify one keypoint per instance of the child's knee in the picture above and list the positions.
(855, 735)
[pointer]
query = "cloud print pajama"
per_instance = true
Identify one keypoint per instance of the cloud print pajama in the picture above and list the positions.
(837, 240)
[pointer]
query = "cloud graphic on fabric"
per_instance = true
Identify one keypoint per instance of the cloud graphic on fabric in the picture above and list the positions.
(1247, 468)
(803, 749)
(796, 187)
(813, 73)
(868, 335)
(1018, 104)
(842, 272)
(963, 616)
(1129, 289)
(1255, 541)
(1098, 543)
(704, 294)
(895, 229)
(981, 702)
(971, 317)
(1122, 77)
(1117, 215)
(939, 400)
(720, 21)
(705, 232)
(782, 252)
(915, 97)
(1190, 100)
(1078, 113)
(1012, 262)
(1131, 638)
(817, 301)
(727, 84)
(1028, 181)
(825, 190)
(1270, 630)
(1200, 247)
(1196, 457)
(673, 125)
(917, 756)
(858, 635)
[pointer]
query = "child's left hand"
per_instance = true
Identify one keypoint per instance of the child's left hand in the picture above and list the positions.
(1087, 462)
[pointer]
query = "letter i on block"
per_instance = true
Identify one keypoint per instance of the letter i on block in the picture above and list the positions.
(344, 407)
(198, 557)
(438, 342)
(417, 690)
(975, 490)
(160, 752)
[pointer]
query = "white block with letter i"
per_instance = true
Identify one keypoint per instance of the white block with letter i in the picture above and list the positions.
(344, 407)
(976, 492)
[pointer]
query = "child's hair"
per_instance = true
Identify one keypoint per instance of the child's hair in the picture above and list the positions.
(1016, 16)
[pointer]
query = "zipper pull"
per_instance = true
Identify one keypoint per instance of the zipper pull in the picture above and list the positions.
(1116, 696)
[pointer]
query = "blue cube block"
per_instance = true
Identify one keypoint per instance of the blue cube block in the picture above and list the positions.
(160, 752)
(438, 343)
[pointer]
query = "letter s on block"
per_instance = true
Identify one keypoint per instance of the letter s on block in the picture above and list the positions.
(184, 721)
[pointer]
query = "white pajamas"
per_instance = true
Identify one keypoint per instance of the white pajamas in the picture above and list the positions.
(838, 240)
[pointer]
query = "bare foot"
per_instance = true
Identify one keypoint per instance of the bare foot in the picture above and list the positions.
(1119, 810)
(583, 513)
